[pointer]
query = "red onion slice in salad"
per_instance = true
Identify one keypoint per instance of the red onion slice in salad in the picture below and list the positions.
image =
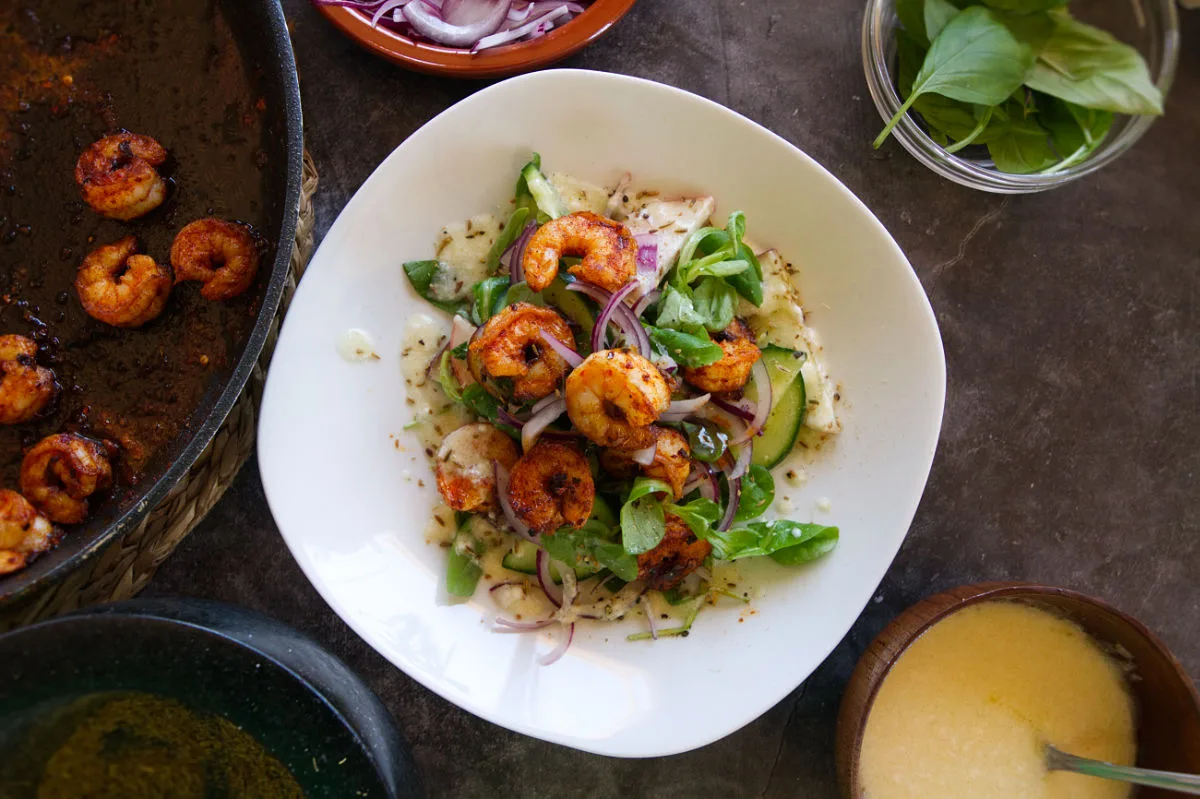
(519, 528)
(544, 402)
(569, 355)
(649, 617)
(743, 461)
(537, 26)
(510, 626)
(681, 409)
(546, 580)
(514, 256)
(646, 300)
(461, 23)
(564, 644)
(647, 257)
(600, 330)
(744, 411)
(540, 421)
(645, 456)
(735, 497)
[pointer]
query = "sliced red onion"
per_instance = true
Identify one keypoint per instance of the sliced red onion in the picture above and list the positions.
(568, 354)
(679, 410)
(536, 26)
(745, 412)
(361, 5)
(545, 402)
(743, 461)
(735, 496)
(540, 421)
(703, 574)
(520, 529)
(461, 23)
(646, 606)
(646, 300)
(387, 6)
(645, 456)
(600, 330)
(710, 488)
(563, 645)
(514, 256)
(647, 255)
(521, 626)
(509, 419)
(546, 580)
(693, 483)
(501, 585)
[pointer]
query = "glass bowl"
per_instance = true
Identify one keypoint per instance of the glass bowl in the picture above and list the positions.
(1150, 26)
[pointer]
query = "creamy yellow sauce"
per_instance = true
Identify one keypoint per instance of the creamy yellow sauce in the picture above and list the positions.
(966, 711)
(433, 414)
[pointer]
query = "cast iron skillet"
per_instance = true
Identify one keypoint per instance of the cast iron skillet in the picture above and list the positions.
(215, 82)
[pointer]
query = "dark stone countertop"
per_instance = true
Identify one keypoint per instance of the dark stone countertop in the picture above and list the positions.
(1070, 451)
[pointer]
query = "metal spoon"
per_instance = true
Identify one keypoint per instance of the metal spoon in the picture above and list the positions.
(1057, 760)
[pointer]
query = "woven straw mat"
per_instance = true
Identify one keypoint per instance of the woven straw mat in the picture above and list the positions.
(126, 566)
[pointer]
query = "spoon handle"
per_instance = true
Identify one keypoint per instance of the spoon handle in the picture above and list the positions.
(1169, 780)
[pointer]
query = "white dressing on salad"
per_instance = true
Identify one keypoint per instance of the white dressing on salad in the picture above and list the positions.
(355, 345)
(670, 221)
(579, 195)
(433, 413)
(463, 247)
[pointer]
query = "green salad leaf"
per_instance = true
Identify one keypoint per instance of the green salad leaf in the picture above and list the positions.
(447, 379)
(684, 348)
(758, 492)
(715, 302)
(462, 563)
(773, 539)
(489, 296)
(512, 229)
(435, 283)
(642, 522)
(593, 541)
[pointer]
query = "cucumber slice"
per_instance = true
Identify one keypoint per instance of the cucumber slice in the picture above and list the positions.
(571, 304)
(543, 191)
(789, 402)
(523, 559)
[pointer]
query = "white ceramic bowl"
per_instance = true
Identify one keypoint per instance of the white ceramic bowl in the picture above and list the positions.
(335, 479)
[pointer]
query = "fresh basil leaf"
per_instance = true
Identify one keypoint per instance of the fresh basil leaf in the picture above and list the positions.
(512, 229)
(677, 312)
(489, 298)
(1023, 147)
(1075, 131)
(936, 15)
(520, 292)
(983, 114)
(435, 283)
(774, 538)
(1087, 66)
(447, 379)
(642, 525)
(1034, 29)
(460, 352)
(810, 547)
(462, 564)
(911, 14)
(684, 348)
(707, 441)
(714, 301)
(699, 514)
(758, 492)
(975, 59)
(1025, 6)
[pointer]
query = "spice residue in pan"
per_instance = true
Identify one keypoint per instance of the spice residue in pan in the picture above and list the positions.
(70, 73)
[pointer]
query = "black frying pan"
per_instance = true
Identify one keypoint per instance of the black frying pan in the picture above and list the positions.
(215, 82)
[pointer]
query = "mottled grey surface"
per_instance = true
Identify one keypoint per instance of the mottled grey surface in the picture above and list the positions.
(1071, 441)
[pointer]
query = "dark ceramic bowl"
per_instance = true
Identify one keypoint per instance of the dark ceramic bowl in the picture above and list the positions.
(304, 706)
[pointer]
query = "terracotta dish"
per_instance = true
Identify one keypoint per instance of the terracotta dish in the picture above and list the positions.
(496, 63)
(1168, 707)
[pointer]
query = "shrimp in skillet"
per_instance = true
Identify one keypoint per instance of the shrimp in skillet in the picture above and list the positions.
(551, 487)
(676, 556)
(733, 370)
(23, 532)
(120, 288)
(510, 345)
(465, 465)
(60, 472)
(221, 255)
(119, 178)
(672, 460)
(25, 388)
(614, 396)
(608, 249)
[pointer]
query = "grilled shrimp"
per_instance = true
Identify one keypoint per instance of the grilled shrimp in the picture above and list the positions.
(676, 556)
(23, 531)
(733, 370)
(119, 178)
(510, 345)
(61, 471)
(672, 460)
(551, 487)
(120, 288)
(25, 388)
(221, 255)
(608, 249)
(465, 472)
(614, 396)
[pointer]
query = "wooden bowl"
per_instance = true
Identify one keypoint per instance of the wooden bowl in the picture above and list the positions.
(1168, 706)
(495, 63)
